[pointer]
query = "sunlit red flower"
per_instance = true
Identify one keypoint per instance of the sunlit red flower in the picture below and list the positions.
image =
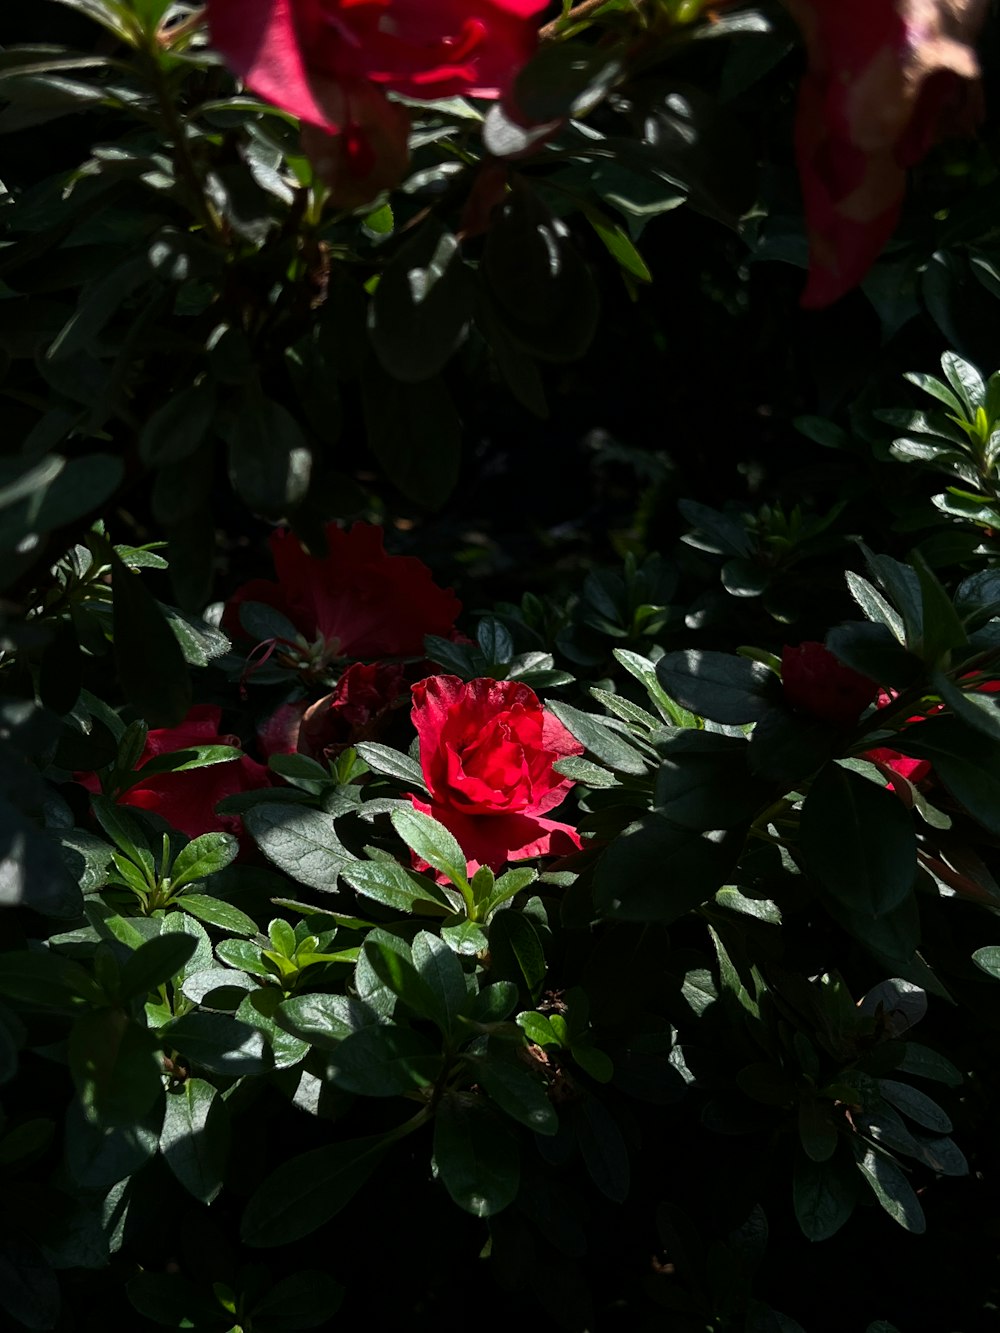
(486, 749)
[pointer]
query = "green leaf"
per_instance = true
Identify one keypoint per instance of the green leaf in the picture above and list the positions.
(218, 1043)
(915, 1105)
(301, 841)
(194, 1139)
(173, 1301)
(891, 1187)
(99, 302)
(150, 663)
(415, 433)
(703, 782)
(824, 1196)
(33, 870)
(942, 628)
(261, 1009)
(922, 1062)
(217, 912)
(44, 979)
(656, 870)
(98, 1156)
(306, 1191)
(324, 1020)
(203, 856)
(715, 685)
(422, 306)
(602, 1147)
(966, 761)
(383, 759)
(398, 973)
(270, 461)
(966, 380)
(617, 242)
(516, 951)
(518, 1093)
(978, 710)
(127, 833)
(158, 960)
(467, 938)
(394, 885)
(444, 977)
(817, 1131)
(307, 1299)
(178, 426)
(475, 1155)
(432, 842)
(858, 841)
(594, 733)
(382, 1061)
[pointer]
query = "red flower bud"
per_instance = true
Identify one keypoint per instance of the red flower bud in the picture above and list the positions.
(816, 683)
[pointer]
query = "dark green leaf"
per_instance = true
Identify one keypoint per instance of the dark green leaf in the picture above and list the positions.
(384, 1062)
(415, 434)
(422, 305)
(269, 458)
(594, 733)
(715, 685)
(300, 841)
(194, 1139)
(150, 663)
(432, 842)
(218, 1043)
(516, 951)
(158, 960)
(858, 841)
(476, 1156)
(824, 1195)
(655, 870)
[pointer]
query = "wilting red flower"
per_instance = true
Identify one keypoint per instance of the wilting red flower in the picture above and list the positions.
(486, 749)
(354, 602)
(327, 61)
(815, 682)
(356, 710)
(886, 80)
(187, 799)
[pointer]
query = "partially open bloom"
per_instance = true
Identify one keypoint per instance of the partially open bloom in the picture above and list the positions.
(886, 80)
(330, 61)
(486, 749)
(354, 602)
(815, 683)
(357, 710)
(187, 799)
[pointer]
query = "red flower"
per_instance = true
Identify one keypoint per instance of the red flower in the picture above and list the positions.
(486, 750)
(323, 59)
(886, 80)
(914, 770)
(354, 602)
(187, 799)
(356, 711)
(816, 683)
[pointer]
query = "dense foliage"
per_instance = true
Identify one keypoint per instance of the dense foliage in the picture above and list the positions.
(499, 758)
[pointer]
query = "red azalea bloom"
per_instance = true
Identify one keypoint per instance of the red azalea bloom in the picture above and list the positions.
(356, 601)
(886, 80)
(314, 58)
(357, 709)
(486, 749)
(815, 682)
(187, 799)
(914, 770)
